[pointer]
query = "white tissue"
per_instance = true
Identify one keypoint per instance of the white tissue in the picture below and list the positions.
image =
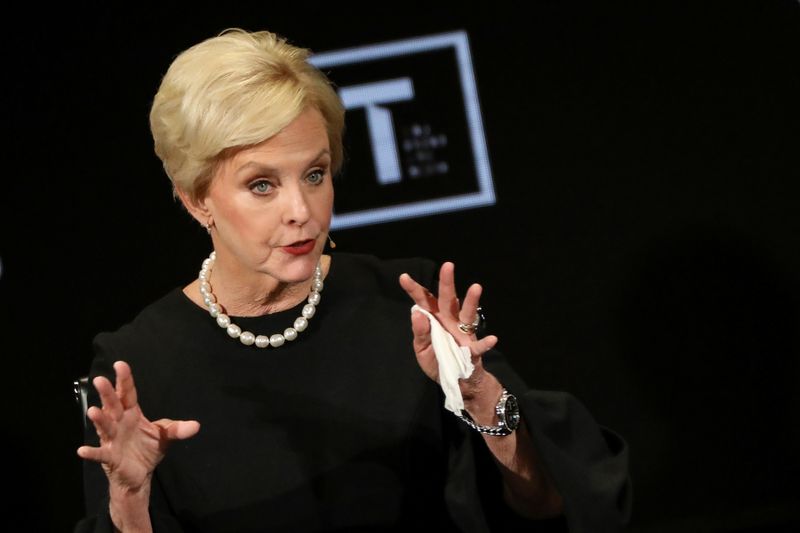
(455, 362)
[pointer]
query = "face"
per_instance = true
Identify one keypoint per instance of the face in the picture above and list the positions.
(271, 203)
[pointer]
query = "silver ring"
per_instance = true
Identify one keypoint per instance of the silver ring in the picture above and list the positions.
(470, 329)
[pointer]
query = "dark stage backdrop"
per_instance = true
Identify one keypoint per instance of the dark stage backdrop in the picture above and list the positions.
(641, 253)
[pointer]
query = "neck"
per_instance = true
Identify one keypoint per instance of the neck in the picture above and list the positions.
(256, 298)
(243, 300)
(217, 310)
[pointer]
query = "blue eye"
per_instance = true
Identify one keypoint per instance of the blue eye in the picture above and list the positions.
(261, 187)
(316, 177)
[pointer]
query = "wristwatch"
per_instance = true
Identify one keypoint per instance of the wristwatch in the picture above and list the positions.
(507, 410)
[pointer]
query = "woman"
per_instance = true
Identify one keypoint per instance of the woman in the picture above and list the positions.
(316, 416)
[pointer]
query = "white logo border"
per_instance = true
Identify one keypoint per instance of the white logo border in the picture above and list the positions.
(485, 194)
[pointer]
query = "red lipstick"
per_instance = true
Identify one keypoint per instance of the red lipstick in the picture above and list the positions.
(299, 247)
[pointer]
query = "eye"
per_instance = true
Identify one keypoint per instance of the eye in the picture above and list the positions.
(316, 177)
(261, 187)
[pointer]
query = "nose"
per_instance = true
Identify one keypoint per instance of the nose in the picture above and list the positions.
(296, 211)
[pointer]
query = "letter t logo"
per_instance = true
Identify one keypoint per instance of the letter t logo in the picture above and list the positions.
(379, 120)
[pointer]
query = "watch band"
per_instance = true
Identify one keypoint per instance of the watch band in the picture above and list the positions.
(500, 430)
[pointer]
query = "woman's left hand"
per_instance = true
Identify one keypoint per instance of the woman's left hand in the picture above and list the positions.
(449, 312)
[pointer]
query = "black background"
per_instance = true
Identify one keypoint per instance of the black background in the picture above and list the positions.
(643, 253)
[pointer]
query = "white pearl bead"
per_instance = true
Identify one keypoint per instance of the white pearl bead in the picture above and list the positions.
(276, 340)
(248, 338)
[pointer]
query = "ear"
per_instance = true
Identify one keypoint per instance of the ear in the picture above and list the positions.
(196, 208)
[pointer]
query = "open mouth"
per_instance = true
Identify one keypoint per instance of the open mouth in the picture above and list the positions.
(300, 247)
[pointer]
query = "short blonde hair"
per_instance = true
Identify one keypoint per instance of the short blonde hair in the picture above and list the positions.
(232, 91)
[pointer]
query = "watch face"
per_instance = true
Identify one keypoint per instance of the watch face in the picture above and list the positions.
(511, 412)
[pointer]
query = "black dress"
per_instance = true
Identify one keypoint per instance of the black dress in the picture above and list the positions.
(338, 430)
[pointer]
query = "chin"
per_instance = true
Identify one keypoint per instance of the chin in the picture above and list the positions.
(301, 268)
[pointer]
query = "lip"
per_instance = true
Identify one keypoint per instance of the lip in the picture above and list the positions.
(299, 247)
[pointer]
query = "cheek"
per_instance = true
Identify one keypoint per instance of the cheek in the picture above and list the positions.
(323, 207)
(253, 223)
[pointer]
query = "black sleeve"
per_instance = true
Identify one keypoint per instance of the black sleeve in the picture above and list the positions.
(95, 483)
(588, 462)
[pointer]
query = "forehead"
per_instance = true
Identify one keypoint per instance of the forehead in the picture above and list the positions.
(305, 137)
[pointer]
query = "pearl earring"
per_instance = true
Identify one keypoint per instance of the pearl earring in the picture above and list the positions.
(208, 225)
(330, 241)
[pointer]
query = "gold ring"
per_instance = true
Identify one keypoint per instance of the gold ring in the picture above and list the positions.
(469, 329)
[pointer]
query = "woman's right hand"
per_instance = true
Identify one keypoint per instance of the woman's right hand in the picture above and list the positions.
(130, 445)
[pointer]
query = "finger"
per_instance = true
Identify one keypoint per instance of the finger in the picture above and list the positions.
(421, 327)
(108, 397)
(421, 296)
(480, 347)
(126, 390)
(448, 300)
(103, 424)
(92, 453)
(178, 429)
(469, 311)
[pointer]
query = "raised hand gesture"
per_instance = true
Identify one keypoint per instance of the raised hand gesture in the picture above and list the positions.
(450, 313)
(130, 445)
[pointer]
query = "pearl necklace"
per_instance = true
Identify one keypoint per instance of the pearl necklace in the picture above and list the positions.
(247, 338)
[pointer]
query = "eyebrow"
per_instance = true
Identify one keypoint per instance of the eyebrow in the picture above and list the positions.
(266, 169)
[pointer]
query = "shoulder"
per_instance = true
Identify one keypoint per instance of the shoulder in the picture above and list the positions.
(154, 321)
(157, 311)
